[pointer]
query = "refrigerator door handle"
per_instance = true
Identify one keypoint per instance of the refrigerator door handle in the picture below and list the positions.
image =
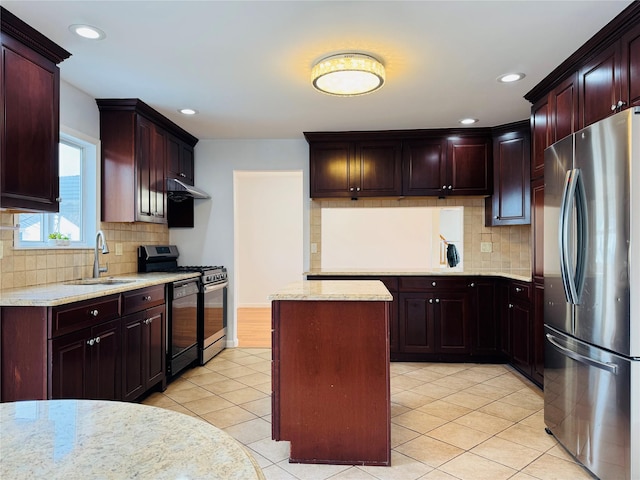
(563, 236)
(609, 367)
(582, 245)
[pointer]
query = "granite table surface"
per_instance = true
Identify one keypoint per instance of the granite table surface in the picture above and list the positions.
(60, 293)
(74, 439)
(334, 290)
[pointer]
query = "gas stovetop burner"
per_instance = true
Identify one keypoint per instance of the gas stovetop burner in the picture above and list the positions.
(164, 258)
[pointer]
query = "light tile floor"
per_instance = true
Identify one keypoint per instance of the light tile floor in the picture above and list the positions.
(449, 421)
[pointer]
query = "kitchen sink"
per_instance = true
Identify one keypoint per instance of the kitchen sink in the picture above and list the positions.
(99, 281)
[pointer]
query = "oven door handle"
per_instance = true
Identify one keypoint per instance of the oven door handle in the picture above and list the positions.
(216, 286)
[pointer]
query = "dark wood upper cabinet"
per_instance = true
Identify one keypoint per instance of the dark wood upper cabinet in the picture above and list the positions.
(630, 44)
(469, 168)
(540, 135)
(599, 86)
(137, 143)
(563, 109)
(352, 169)
(180, 160)
(510, 203)
(423, 166)
(30, 118)
(395, 163)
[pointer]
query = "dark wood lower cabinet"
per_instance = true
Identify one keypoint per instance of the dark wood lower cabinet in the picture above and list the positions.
(142, 351)
(86, 363)
(464, 319)
(84, 350)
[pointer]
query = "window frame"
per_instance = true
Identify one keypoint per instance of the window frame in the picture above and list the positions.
(90, 192)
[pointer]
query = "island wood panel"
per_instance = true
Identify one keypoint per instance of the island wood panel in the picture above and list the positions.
(331, 395)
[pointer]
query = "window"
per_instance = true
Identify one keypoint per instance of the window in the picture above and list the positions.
(75, 224)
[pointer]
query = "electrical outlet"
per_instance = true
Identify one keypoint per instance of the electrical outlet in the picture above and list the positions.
(118, 249)
(486, 247)
(314, 248)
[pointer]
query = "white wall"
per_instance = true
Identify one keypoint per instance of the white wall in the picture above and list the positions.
(268, 234)
(79, 111)
(211, 240)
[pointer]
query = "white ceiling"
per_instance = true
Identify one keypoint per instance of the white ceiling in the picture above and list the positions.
(245, 65)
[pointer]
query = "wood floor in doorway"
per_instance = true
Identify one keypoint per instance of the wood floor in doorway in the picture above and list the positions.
(254, 327)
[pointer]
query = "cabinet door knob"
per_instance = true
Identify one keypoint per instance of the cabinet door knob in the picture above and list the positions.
(444, 187)
(433, 284)
(472, 284)
(91, 342)
(97, 339)
(450, 187)
(94, 313)
(431, 300)
(59, 199)
(511, 305)
(437, 300)
(357, 189)
(146, 298)
(182, 175)
(351, 189)
(518, 289)
(496, 217)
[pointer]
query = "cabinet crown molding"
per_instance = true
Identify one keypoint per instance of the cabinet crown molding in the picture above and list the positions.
(24, 33)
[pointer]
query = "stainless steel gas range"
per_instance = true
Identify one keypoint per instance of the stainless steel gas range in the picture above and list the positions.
(197, 308)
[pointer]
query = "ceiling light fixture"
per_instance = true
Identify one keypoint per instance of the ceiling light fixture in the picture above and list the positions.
(348, 74)
(87, 31)
(188, 111)
(510, 77)
(468, 121)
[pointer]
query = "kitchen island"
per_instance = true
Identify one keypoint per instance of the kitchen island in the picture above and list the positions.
(330, 371)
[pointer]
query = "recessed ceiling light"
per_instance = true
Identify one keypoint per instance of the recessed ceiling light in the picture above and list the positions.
(510, 77)
(468, 121)
(87, 31)
(188, 111)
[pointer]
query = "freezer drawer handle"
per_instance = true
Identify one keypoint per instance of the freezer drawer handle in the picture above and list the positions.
(609, 367)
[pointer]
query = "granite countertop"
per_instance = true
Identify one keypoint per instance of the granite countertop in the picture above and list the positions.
(523, 275)
(328, 290)
(52, 294)
(115, 440)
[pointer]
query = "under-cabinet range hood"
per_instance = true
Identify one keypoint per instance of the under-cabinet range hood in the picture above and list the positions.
(177, 190)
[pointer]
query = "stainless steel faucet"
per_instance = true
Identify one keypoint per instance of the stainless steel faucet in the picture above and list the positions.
(97, 269)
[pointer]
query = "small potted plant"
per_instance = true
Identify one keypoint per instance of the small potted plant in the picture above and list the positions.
(59, 239)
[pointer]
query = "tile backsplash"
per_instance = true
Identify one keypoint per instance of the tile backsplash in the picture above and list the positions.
(28, 267)
(511, 250)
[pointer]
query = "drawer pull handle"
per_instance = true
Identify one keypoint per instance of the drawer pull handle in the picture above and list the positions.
(146, 298)
(94, 313)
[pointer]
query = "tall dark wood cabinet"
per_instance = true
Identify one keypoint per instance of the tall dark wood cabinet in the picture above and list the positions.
(510, 203)
(30, 117)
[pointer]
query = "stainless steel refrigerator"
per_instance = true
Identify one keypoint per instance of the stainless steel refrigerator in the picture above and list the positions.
(592, 295)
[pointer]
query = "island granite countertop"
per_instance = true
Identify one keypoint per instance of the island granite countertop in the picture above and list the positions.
(60, 293)
(334, 290)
